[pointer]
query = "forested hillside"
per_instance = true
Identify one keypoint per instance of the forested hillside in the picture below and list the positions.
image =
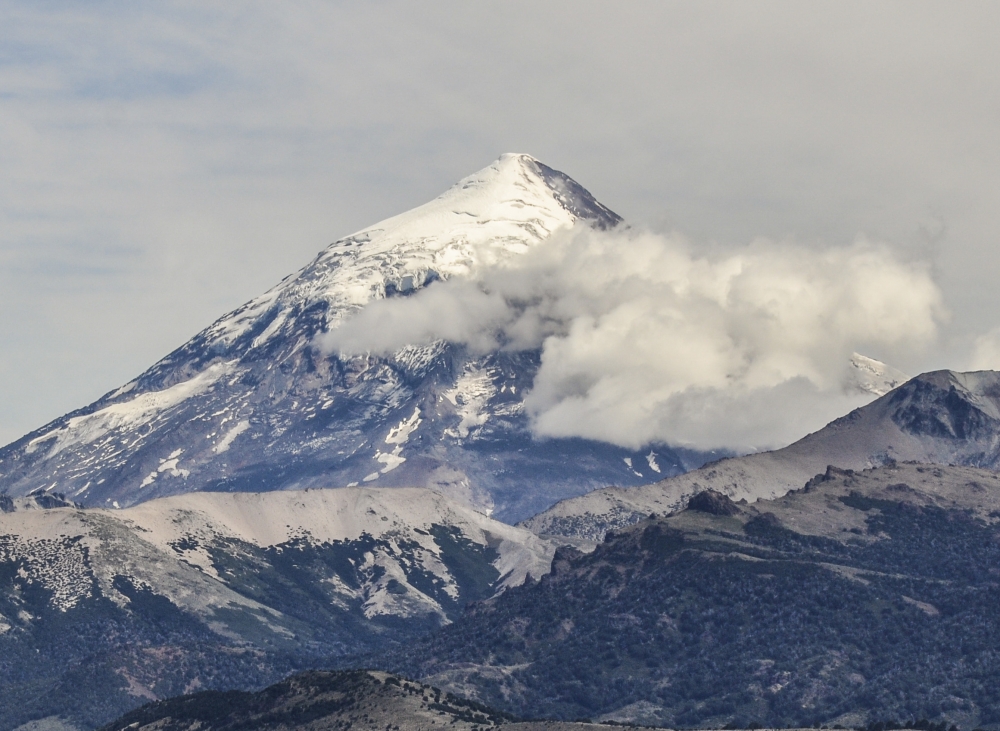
(861, 597)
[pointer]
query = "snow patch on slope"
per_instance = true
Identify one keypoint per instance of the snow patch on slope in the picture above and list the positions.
(128, 414)
(223, 444)
(469, 396)
(874, 377)
(397, 437)
(57, 565)
(168, 466)
(400, 434)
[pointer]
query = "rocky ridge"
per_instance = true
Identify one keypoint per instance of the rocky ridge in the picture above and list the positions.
(860, 596)
(361, 700)
(103, 609)
(941, 417)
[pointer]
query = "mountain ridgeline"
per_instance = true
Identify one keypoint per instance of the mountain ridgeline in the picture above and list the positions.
(941, 417)
(359, 700)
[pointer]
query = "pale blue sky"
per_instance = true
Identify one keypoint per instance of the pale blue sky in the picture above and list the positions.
(162, 163)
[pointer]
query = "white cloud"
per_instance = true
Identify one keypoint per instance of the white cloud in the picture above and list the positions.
(645, 339)
(458, 311)
(986, 352)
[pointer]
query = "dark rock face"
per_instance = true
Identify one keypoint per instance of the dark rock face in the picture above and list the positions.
(577, 200)
(925, 408)
(714, 503)
(832, 473)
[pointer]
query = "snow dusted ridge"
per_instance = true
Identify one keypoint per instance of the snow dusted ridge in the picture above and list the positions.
(874, 377)
(941, 417)
(126, 415)
(399, 550)
(250, 404)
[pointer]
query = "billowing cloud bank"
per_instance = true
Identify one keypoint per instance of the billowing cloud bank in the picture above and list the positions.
(645, 340)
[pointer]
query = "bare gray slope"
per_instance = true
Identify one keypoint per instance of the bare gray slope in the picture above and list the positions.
(206, 552)
(941, 417)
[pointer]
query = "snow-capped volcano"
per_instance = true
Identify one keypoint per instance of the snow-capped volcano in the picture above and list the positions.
(251, 404)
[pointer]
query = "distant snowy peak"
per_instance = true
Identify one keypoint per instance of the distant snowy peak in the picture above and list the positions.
(499, 212)
(251, 404)
(871, 376)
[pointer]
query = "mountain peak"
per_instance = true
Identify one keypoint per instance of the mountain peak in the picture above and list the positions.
(484, 219)
(249, 404)
(572, 196)
(871, 376)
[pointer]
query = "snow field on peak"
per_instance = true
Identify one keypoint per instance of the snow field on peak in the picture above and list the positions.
(481, 221)
(868, 375)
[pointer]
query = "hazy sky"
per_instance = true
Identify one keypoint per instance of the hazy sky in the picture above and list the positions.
(162, 163)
